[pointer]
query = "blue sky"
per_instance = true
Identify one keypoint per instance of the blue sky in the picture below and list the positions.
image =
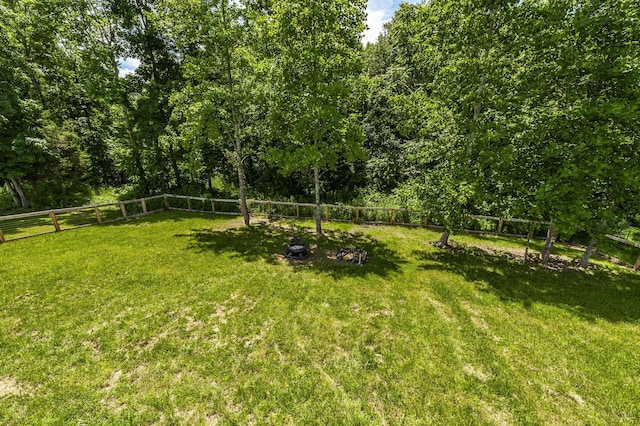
(379, 12)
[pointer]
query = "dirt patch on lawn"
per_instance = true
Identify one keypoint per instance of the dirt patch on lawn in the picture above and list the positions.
(470, 370)
(113, 381)
(556, 262)
(10, 387)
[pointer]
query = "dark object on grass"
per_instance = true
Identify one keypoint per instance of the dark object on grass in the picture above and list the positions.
(296, 249)
(355, 256)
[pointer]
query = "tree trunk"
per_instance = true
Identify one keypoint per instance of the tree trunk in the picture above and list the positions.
(174, 166)
(137, 158)
(548, 244)
(243, 195)
(235, 115)
(444, 238)
(587, 254)
(13, 193)
(241, 177)
(526, 250)
(316, 184)
(592, 243)
(35, 192)
(149, 48)
(17, 186)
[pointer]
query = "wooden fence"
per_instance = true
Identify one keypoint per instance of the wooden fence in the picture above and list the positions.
(355, 214)
(629, 243)
(26, 225)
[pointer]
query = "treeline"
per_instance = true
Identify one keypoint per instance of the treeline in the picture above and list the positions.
(513, 108)
(230, 97)
(517, 108)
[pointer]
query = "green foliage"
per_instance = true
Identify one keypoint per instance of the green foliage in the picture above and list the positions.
(7, 204)
(518, 109)
(20, 145)
(312, 113)
(580, 108)
(313, 119)
(513, 108)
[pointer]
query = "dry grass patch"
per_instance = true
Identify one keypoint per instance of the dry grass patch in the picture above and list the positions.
(10, 387)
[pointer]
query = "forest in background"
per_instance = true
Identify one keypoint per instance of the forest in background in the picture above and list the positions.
(523, 108)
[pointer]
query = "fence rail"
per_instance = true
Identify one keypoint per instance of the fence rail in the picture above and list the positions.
(26, 225)
(356, 214)
(623, 241)
(628, 243)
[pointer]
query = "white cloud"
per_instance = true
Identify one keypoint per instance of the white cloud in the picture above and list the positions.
(380, 12)
(375, 21)
(127, 66)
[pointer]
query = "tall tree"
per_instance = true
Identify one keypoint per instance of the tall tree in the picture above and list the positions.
(61, 69)
(574, 154)
(148, 91)
(456, 56)
(222, 77)
(600, 128)
(18, 113)
(315, 76)
(389, 164)
(26, 41)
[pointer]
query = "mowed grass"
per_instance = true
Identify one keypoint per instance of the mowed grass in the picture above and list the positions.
(184, 318)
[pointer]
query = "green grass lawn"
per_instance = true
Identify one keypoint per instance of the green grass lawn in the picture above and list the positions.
(184, 318)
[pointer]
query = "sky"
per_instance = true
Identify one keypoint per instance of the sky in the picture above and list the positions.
(127, 66)
(378, 12)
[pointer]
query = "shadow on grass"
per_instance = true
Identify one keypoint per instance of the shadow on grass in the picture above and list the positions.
(596, 293)
(267, 242)
(625, 253)
(535, 245)
(33, 225)
(169, 216)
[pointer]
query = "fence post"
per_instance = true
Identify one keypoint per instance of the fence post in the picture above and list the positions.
(425, 222)
(166, 202)
(500, 225)
(533, 229)
(357, 215)
(144, 206)
(2, 239)
(392, 218)
(637, 266)
(269, 209)
(297, 211)
(328, 214)
(189, 203)
(213, 206)
(95, 209)
(123, 209)
(55, 220)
